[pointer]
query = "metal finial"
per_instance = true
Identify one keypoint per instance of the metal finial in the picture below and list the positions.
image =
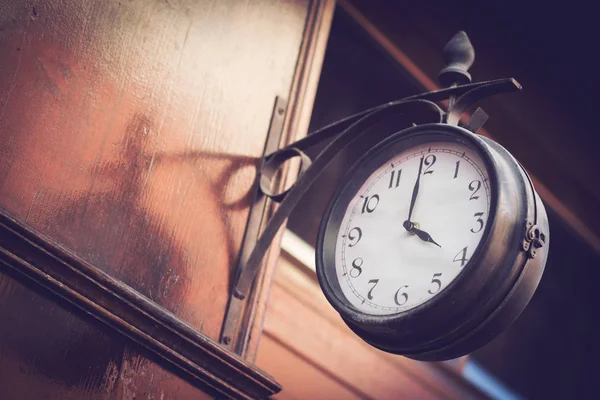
(459, 55)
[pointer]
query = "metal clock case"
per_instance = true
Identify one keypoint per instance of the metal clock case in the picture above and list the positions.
(492, 288)
(406, 293)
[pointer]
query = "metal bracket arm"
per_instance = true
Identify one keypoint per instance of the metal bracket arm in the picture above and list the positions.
(462, 95)
(483, 90)
(352, 127)
(249, 267)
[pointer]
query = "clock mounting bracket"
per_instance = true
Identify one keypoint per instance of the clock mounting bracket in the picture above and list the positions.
(458, 96)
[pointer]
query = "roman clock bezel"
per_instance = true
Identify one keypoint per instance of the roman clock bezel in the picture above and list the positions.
(466, 313)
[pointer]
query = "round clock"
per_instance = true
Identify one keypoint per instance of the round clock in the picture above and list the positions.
(433, 243)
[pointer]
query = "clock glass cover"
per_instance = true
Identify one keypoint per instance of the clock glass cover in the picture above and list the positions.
(411, 227)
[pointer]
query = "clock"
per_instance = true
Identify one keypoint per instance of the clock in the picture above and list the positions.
(433, 243)
(435, 240)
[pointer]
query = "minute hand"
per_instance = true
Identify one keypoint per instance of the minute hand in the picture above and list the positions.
(407, 223)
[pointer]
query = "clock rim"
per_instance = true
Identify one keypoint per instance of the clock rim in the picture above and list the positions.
(374, 162)
(387, 324)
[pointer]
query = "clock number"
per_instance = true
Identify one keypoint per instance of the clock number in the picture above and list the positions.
(356, 236)
(437, 282)
(463, 259)
(370, 203)
(356, 266)
(397, 175)
(429, 161)
(456, 170)
(474, 186)
(479, 214)
(374, 282)
(404, 296)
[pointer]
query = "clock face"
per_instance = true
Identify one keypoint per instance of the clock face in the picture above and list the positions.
(387, 262)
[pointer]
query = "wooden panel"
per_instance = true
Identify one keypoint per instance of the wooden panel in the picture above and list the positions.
(335, 350)
(301, 378)
(304, 331)
(129, 133)
(49, 352)
(194, 355)
(302, 98)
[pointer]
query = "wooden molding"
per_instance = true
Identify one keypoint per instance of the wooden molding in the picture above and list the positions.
(197, 357)
(300, 104)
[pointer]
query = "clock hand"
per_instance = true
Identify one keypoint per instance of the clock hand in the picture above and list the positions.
(424, 236)
(408, 225)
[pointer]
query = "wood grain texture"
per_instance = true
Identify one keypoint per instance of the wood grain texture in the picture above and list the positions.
(303, 380)
(73, 359)
(130, 131)
(302, 96)
(304, 333)
(195, 356)
(129, 135)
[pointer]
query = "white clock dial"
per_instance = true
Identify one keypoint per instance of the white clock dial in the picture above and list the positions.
(383, 268)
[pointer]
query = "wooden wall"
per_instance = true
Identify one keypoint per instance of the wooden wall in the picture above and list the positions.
(49, 351)
(307, 347)
(130, 132)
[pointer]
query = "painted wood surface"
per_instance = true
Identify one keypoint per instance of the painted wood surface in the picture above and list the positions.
(129, 134)
(47, 351)
(300, 111)
(307, 347)
(203, 361)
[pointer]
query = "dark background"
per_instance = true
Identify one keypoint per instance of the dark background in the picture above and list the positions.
(551, 350)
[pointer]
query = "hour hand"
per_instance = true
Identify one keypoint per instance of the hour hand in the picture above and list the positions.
(424, 236)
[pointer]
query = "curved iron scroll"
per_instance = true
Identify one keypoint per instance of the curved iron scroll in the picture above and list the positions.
(352, 127)
(481, 91)
(490, 88)
(249, 267)
(461, 95)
